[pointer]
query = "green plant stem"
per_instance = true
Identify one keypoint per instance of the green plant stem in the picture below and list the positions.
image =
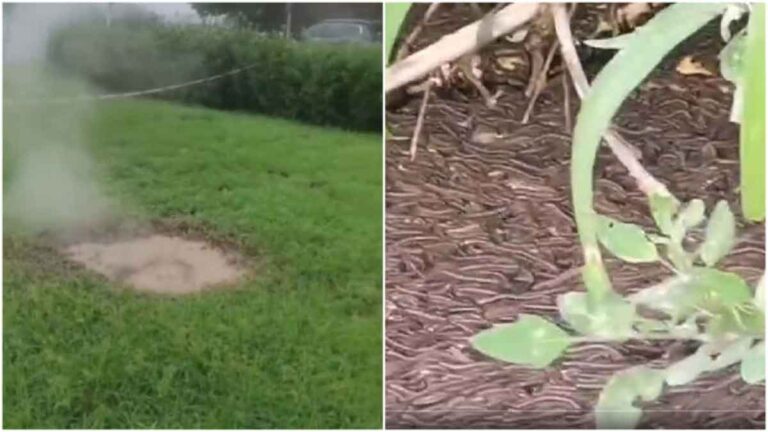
(612, 86)
(752, 137)
(645, 336)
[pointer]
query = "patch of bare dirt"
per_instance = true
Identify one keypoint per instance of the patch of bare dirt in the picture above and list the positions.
(478, 228)
(158, 263)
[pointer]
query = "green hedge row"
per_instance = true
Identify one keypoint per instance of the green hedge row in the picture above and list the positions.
(338, 85)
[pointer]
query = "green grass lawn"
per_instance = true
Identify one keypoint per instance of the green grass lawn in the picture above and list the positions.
(296, 346)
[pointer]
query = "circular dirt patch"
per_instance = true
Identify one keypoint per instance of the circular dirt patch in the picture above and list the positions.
(158, 263)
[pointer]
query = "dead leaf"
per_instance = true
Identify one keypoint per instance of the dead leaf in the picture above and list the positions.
(510, 63)
(603, 26)
(518, 36)
(631, 14)
(689, 66)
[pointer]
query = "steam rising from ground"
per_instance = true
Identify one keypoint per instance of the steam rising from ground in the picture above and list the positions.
(49, 179)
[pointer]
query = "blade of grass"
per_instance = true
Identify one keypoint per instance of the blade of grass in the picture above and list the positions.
(752, 141)
(612, 86)
(395, 15)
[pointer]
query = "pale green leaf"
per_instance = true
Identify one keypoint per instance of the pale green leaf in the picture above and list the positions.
(658, 239)
(616, 408)
(612, 318)
(663, 209)
(709, 357)
(573, 309)
(760, 294)
(732, 353)
(688, 369)
(720, 234)
(531, 341)
(674, 297)
(617, 415)
(732, 59)
(692, 214)
(753, 364)
(744, 319)
(719, 288)
(626, 241)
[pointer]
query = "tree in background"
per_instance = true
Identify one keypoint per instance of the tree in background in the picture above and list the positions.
(274, 17)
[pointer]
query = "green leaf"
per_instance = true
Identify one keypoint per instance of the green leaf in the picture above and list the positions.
(700, 362)
(663, 209)
(752, 134)
(616, 408)
(626, 241)
(732, 59)
(531, 341)
(612, 318)
(753, 364)
(760, 294)
(744, 319)
(717, 292)
(680, 259)
(692, 214)
(573, 309)
(674, 297)
(719, 288)
(687, 369)
(395, 15)
(733, 353)
(720, 234)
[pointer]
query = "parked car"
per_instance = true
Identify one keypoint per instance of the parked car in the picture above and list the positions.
(344, 31)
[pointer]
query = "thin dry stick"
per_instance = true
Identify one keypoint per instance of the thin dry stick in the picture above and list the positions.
(540, 82)
(620, 148)
(420, 120)
(467, 39)
(567, 97)
(403, 51)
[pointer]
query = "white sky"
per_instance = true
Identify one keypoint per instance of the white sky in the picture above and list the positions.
(173, 12)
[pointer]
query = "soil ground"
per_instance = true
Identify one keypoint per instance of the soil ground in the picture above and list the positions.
(157, 263)
(477, 228)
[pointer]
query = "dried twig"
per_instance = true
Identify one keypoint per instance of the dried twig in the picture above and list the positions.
(405, 46)
(541, 80)
(620, 148)
(467, 39)
(420, 120)
(567, 101)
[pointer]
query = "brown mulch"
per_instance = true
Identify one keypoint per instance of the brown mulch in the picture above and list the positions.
(475, 230)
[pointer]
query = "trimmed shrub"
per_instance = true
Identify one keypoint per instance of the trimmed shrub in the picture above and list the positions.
(338, 85)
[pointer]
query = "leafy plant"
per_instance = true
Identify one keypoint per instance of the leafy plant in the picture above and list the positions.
(312, 82)
(699, 302)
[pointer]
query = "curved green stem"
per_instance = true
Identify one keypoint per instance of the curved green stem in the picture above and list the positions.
(752, 135)
(616, 80)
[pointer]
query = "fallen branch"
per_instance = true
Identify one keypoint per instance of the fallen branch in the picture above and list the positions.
(465, 40)
(620, 148)
(420, 121)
